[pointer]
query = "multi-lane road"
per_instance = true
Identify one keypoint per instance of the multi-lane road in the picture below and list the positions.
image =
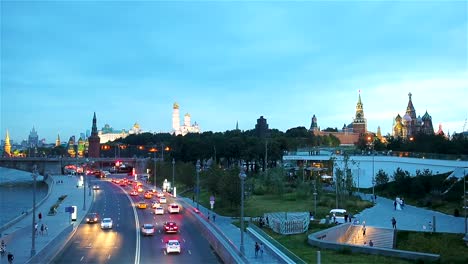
(124, 243)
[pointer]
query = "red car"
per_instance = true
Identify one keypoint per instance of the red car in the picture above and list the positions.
(171, 227)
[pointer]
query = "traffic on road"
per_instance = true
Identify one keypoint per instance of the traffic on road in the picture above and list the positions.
(132, 222)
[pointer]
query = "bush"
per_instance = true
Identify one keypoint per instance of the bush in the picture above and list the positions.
(456, 212)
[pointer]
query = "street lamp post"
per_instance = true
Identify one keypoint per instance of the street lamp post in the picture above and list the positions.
(242, 177)
(84, 190)
(173, 181)
(33, 242)
(371, 142)
(154, 170)
(315, 197)
(198, 183)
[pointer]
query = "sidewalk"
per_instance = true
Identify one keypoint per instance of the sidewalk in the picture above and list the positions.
(411, 218)
(231, 231)
(18, 237)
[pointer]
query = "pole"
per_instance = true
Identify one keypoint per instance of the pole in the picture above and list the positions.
(33, 242)
(373, 174)
(198, 183)
(155, 170)
(173, 181)
(358, 171)
(242, 176)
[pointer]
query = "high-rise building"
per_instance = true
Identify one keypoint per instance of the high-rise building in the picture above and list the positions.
(33, 139)
(261, 128)
(94, 141)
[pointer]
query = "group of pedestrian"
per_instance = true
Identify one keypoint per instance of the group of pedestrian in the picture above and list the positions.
(398, 204)
(259, 248)
(10, 256)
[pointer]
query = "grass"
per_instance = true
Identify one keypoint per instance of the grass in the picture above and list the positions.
(451, 247)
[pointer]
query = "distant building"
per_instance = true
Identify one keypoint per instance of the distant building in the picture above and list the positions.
(410, 125)
(57, 141)
(261, 128)
(349, 134)
(187, 127)
(94, 141)
(108, 134)
(33, 139)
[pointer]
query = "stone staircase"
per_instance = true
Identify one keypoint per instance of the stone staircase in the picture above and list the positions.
(381, 237)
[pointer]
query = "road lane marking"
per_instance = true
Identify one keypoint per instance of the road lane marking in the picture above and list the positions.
(190, 252)
(108, 257)
(82, 258)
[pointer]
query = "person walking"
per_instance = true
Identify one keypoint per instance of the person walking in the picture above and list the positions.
(364, 231)
(39, 216)
(261, 249)
(42, 229)
(35, 228)
(257, 248)
(46, 229)
(214, 217)
(393, 222)
(394, 205)
(10, 257)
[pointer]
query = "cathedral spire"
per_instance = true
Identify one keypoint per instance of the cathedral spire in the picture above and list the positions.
(7, 147)
(237, 125)
(57, 141)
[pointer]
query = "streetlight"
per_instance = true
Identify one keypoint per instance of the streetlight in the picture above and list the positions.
(33, 242)
(242, 177)
(198, 182)
(371, 143)
(173, 181)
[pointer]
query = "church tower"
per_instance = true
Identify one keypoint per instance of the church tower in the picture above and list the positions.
(94, 141)
(175, 119)
(359, 122)
(7, 148)
(57, 141)
(314, 125)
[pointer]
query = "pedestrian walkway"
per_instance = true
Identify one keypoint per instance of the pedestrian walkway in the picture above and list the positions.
(18, 237)
(411, 218)
(232, 232)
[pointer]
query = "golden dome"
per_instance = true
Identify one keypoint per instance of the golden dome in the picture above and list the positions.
(176, 105)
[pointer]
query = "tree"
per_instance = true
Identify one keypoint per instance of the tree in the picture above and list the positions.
(381, 177)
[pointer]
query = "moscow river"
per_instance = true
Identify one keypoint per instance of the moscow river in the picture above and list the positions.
(16, 193)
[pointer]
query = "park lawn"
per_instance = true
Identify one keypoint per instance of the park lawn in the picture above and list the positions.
(257, 205)
(451, 247)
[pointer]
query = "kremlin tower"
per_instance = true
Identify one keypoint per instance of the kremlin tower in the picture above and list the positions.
(94, 141)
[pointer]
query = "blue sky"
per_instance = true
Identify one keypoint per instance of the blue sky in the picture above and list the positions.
(229, 61)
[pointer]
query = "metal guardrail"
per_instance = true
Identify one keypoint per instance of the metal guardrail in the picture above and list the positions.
(277, 245)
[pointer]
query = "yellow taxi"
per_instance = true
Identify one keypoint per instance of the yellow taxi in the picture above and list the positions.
(141, 205)
(148, 195)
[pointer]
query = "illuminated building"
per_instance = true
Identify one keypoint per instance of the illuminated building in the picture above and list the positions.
(410, 125)
(7, 147)
(187, 127)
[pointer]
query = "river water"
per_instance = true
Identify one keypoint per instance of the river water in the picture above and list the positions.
(16, 193)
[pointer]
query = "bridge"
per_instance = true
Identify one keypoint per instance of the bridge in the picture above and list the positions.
(56, 165)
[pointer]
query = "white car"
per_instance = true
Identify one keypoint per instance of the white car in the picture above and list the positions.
(173, 246)
(160, 194)
(106, 223)
(155, 205)
(162, 200)
(159, 210)
(173, 208)
(147, 229)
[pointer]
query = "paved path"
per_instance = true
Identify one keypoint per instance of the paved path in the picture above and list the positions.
(410, 218)
(19, 236)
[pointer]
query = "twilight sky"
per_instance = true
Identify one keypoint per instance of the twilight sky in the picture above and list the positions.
(228, 61)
